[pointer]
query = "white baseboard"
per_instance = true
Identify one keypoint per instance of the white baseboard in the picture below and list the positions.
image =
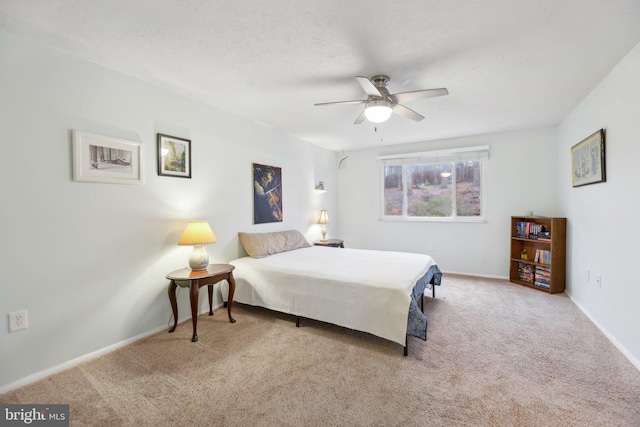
(485, 276)
(635, 362)
(93, 355)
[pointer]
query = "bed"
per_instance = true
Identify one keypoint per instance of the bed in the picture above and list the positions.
(366, 290)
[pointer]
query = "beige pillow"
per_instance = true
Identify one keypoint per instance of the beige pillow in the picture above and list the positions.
(260, 245)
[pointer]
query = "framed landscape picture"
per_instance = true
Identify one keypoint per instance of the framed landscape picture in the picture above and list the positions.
(98, 158)
(588, 160)
(267, 194)
(174, 156)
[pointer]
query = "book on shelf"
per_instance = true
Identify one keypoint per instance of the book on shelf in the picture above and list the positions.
(525, 272)
(544, 235)
(545, 285)
(531, 230)
(542, 256)
(542, 277)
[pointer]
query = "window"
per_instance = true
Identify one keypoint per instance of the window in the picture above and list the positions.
(434, 185)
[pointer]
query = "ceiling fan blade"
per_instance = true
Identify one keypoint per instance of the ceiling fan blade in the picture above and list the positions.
(340, 102)
(360, 118)
(368, 87)
(406, 112)
(403, 97)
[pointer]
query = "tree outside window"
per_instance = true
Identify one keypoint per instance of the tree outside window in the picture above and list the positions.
(433, 190)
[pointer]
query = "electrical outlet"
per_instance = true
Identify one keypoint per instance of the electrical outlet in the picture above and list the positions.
(18, 320)
(599, 281)
(434, 247)
(588, 275)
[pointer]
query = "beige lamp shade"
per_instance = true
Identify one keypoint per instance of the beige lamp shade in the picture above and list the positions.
(324, 217)
(198, 234)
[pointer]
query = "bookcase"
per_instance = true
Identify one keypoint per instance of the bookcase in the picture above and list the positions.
(538, 246)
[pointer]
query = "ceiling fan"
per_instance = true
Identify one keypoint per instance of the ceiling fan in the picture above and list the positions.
(380, 103)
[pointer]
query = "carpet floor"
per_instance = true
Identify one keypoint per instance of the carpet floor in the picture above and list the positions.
(497, 354)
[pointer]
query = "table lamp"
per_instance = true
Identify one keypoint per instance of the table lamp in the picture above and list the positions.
(198, 234)
(324, 219)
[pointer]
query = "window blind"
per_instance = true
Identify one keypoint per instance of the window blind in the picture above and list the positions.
(439, 156)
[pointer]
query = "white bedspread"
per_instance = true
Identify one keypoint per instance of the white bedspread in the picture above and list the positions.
(359, 289)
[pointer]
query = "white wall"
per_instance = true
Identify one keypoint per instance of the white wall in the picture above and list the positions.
(602, 229)
(520, 176)
(89, 260)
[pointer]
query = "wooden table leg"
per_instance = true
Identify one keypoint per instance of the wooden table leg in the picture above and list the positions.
(174, 304)
(210, 300)
(195, 290)
(232, 289)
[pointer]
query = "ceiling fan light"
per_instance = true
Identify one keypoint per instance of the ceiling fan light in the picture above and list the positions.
(378, 110)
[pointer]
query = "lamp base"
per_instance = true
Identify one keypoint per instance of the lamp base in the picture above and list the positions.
(324, 234)
(199, 259)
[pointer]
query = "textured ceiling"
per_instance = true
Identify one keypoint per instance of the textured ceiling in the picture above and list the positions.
(508, 64)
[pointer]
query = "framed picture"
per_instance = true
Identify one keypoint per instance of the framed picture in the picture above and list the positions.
(267, 194)
(587, 160)
(174, 156)
(98, 158)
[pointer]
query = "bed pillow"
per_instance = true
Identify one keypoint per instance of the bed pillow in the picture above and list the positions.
(260, 245)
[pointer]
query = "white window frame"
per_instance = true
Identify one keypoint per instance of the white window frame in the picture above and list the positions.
(440, 156)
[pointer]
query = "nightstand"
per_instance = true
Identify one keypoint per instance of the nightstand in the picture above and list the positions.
(333, 243)
(194, 279)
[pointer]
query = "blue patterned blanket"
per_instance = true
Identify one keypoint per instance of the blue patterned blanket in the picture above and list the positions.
(417, 322)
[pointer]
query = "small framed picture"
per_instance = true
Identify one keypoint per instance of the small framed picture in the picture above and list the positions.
(98, 158)
(174, 156)
(588, 160)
